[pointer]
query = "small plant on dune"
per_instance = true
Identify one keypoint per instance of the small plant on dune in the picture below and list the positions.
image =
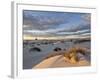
(35, 49)
(71, 57)
(57, 49)
(72, 54)
(77, 50)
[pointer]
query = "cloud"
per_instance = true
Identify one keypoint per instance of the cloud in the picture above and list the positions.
(56, 34)
(74, 33)
(43, 20)
(42, 23)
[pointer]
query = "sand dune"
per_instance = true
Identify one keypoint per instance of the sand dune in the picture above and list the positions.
(60, 61)
(47, 55)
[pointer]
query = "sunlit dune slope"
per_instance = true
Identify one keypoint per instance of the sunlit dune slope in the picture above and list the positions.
(60, 61)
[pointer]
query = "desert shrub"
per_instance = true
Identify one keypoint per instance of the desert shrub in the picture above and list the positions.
(35, 49)
(57, 49)
(77, 50)
(72, 53)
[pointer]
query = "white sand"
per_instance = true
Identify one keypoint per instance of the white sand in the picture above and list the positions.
(59, 61)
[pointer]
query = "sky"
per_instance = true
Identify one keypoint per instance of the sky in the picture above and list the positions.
(47, 24)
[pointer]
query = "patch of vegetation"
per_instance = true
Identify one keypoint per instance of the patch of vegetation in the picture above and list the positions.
(72, 54)
(35, 49)
(57, 49)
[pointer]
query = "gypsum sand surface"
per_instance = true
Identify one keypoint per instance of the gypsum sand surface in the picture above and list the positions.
(62, 61)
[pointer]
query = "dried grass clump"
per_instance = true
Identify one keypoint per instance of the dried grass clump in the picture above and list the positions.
(77, 50)
(72, 56)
